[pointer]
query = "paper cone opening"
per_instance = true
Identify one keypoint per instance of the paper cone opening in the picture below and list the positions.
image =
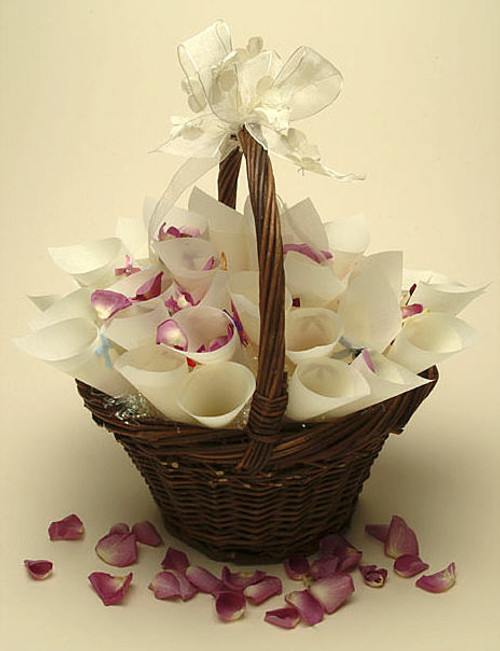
(311, 332)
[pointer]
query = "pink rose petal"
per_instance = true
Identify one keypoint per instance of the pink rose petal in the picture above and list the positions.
(439, 582)
(306, 250)
(297, 567)
(146, 534)
(210, 264)
(187, 589)
(204, 580)
(118, 549)
(69, 528)
(240, 580)
(336, 545)
(368, 360)
(39, 570)
(107, 303)
(150, 289)
(378, 531)
(331, 592)
(120, 527)
(171, 334)
(408, 565)
(111, 589)
(323, 567)
(218, 342)
(400, 539)
(283, 617)
(179, 300)
(411, 310)
(310, 609)
(165, 585)
(373, 576)
(128, 269)
(175, 559)
(263, 590)
(230, 606)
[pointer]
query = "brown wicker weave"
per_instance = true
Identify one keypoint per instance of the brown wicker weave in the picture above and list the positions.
(274, 489)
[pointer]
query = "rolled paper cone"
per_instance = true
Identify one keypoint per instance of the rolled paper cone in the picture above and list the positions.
(93, 263)
(315, 284)
(215, 395)
(450, 298)
(389, 263)
(370, 311)
(73, 347)
(135, 325)
(302, 225)
(191, 218)
(218, 294)
(322, 386)
(348, 238)
(73, 306)
(311, 332)
(430, 338)
(158, 374)
(43, 302)
(133, 234)
(185, 258)
(415, 276)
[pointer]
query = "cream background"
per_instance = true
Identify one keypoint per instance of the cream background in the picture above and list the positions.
(87, 90)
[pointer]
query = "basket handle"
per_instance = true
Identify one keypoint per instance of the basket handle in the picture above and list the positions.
(270, 397)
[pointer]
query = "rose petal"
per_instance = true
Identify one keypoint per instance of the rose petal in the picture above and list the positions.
(240, 580)
(306, 250)
(69, 528)
(336, 545)
(378, 531)
(263, 590)
(165, 585)
(120, 527)
(175, 559)
(310, 609)
(283, 617)
(204, 580)
(210, 264)
(218, 342)
(107, 303)
(323, 567)
(39, 570)
(332, 591)
(411, 310)
(297, 567)
(128, 269)
(408, 565)
(187, 589)
(150, 289)
(179, 300)
(111, 589)
(438, 582)
(146, 534)
(230, 606)
(171, 334)
(373, 576)
(368, 360)
(118, 549)
(400, 539)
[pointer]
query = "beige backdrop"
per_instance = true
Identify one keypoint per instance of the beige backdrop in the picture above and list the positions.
(87, 89)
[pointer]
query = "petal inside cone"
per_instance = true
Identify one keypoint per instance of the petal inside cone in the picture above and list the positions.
(409, 565)
(150, 289)
(331, 592)
(204, 580)
(171, 334)
(146, 533)
(69, 528)
(260, 592)
(175, 559)
(439, 582)
(39, 570)
(111, 589)
(310, 609)
(107, 303)
(165, 585)
(373, 576)
(297, 567)
(118, 549)
(283, 617)
(400, 539)
(230, 606)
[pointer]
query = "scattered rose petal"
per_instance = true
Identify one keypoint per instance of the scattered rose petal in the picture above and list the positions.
(323, 567)
(210, 264)
(107, 303)
(204, 580)
(373, 576)
(331, 592)
(118, 549)
(283, 617)
(165, 585)
(263, 590)
(128, 269)
(336, 545)
(411, 310)
(111, 589)
(306, 250)
(378, 531)
(310, 609)
(439, 582)
(171, 334)
(297, 567)
(240, 580)
(408, 565)
(69, 528)
(120, 527)
(400, 539)
(230, 606)
(175, 559)
(187, 589)
(150, 289)
(146, 533)
(39, 570)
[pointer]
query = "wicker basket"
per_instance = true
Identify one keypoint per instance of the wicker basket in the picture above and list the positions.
(272, 490)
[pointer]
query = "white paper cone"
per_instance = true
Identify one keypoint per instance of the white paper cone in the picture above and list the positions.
(218, 293)
(93, 263)
(321, 386)
(348, 238)
(215, 395)
(389, 263)
(134, 236)
(158, 374)
(415, 276)
(135, 325)
(451, 298)
(185, 258)
(311, 332)
(44, 301)
(71, 347)
(315, 284)
(302, 225)
(73, 306)
(180, 217)
(430, 338)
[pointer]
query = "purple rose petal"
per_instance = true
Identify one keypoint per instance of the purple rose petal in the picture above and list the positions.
(171, 334)
(230, 606)
(259, 592)
(39, 570)
(283, 617)
(150, 289)
(118, 549)
(409, 565)
(165, 585)
(120, 527)
(297, 567)
(204, 580)
(128, 269)
(107, 303)
(175, 559)
(400, 539)
(368, 360)
(310, 609)
(331, 592)
(439, 582)
(146, 533)
(373, 576)
(336, 545)
(111, 589)
(324, 567)
(307, 250)
(69, 528)
(210, 264)
(238, 581)
(411, 310)
(378, 531)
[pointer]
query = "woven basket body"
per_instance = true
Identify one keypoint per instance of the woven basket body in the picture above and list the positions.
(271, 490)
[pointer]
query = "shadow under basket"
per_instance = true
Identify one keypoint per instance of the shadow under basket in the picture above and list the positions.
(308, 487)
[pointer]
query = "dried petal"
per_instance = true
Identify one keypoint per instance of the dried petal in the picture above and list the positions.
(146, 534)
(179, 300)
(230, 606)
(368, 360)
(297, 567)
(165, 585)
(128, 269)
(69, 528)
(373, 576)
(150, 289)
(175, 559)
(411, 310)
(323, 567)
(378, 531)
(210, 264)
(218, 342)
(400, 539)
(107, 303)
(263, 590)
(331, 592)
(39, 570)
(111, 589)
(283, 617)
(408, 565)
(307, 250)
(204, 580)
(310, 609)
(336, 545)
(118, 549)
(187, 589)
(120, 527)
(438, 582)
(171, 334)
(240, 580)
